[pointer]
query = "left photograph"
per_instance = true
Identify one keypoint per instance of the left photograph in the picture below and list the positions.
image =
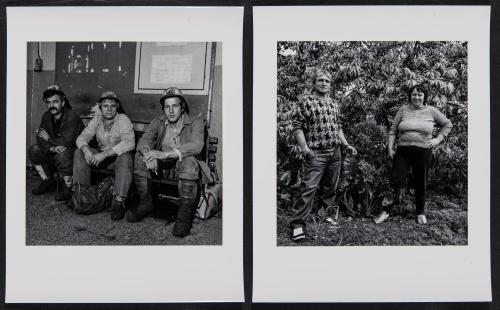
(124, 143)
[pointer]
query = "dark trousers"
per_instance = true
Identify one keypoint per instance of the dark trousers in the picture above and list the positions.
(321, 174)
(52, 162)
(419, 160)
(186, 171)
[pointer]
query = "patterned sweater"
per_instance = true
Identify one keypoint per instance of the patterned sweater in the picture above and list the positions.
(415, 126)
(319, 120)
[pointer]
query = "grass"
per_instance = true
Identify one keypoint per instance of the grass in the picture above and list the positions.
(52, 223)
(447, 225)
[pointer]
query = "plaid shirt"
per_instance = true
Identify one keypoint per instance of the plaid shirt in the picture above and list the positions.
(319, 120)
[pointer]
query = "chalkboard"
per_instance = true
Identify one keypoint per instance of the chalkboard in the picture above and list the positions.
(86, 69)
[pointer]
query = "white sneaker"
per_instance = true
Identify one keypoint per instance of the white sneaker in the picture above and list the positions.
(421, 219)
(381, 217)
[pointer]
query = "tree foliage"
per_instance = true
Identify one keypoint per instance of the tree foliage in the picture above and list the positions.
(370, 80)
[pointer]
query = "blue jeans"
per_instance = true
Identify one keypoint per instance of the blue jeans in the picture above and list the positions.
(122, 165)
(320, 173)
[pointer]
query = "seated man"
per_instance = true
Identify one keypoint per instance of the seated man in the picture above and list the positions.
(170, 146)
(55, 143)
(114, 133)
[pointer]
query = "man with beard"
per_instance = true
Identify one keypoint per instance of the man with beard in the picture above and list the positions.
(115, 137)
(169, 149)
(55, 143)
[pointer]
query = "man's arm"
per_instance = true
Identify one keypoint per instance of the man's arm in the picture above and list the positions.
(195, 145)
(346, 144)
(42, 143)
(148, 139)
(301, 141)
(127, 137)
(69, 131)
(87, 134)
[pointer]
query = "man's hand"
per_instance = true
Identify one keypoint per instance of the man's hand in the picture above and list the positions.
(87, 153)
(96, 159)
(307, 153)
(351, 150)
(155, 154)
(42, 134)
(58, 149)
(152, 165)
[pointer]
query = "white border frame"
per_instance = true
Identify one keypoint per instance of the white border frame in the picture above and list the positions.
(371, 274)
(206, 81)
(124, 274)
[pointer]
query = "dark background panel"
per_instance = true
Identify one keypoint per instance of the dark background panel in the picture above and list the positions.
(83, 89)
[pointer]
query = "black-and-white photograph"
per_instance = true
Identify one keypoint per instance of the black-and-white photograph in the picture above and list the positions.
(124, 143)
(372, 143)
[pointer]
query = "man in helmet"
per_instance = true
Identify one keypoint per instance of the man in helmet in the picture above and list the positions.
(170, 146)
(114, 133)
(55, 143)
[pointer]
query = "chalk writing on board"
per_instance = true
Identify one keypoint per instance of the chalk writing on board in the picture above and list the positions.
(171, 69)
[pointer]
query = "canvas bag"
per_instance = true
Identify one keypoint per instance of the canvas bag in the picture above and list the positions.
(210, 202)
(90, 199)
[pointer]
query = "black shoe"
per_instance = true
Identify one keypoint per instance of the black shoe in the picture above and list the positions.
(64, 194)
(184, 221)
(117, 209)
(144, 209)
(45, 186)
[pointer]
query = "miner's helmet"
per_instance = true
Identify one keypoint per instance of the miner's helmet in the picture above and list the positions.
(109, 95)
(174, 92)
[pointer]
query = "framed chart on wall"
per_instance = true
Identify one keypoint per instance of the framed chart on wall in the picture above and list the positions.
(185, 65)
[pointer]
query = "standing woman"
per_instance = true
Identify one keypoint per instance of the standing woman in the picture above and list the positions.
(414, 124)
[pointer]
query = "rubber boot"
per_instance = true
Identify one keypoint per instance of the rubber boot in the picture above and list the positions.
(145, 206)
(188, 190)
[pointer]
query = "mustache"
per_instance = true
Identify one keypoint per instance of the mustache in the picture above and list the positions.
(53, 109)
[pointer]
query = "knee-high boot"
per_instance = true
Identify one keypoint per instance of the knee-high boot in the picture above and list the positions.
(188, 190)
(145, 206)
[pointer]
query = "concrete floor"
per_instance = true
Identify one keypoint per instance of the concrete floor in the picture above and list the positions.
(52, 223)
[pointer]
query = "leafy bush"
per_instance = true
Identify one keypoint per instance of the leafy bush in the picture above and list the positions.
(370, 82)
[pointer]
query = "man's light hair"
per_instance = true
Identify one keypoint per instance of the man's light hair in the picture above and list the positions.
(319, 72)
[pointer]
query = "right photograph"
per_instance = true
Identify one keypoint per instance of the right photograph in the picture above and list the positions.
(372, 143)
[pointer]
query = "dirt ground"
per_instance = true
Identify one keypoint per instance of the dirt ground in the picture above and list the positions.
(52, 223)
(447, 225)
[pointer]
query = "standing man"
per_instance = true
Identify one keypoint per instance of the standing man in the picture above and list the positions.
(115, 137)
(318, 132)
(55, 143)
(170, 147)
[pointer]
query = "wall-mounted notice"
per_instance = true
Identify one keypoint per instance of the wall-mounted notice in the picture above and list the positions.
(185, 65)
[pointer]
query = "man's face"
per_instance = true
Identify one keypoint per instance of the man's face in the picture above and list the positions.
(322, 85)
(109, 108)
(54, 104)
(173, 109)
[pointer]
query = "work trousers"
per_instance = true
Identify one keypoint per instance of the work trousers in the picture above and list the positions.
(52, 162)
(321, 174)
(419, 160)
(122, 165)
(186, 171)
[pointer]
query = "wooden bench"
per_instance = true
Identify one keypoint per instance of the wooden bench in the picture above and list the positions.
(164, 189)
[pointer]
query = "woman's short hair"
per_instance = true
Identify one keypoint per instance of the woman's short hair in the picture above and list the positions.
(421, 88)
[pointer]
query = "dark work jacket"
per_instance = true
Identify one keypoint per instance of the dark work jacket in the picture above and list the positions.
(191, 140)
(71, 127)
